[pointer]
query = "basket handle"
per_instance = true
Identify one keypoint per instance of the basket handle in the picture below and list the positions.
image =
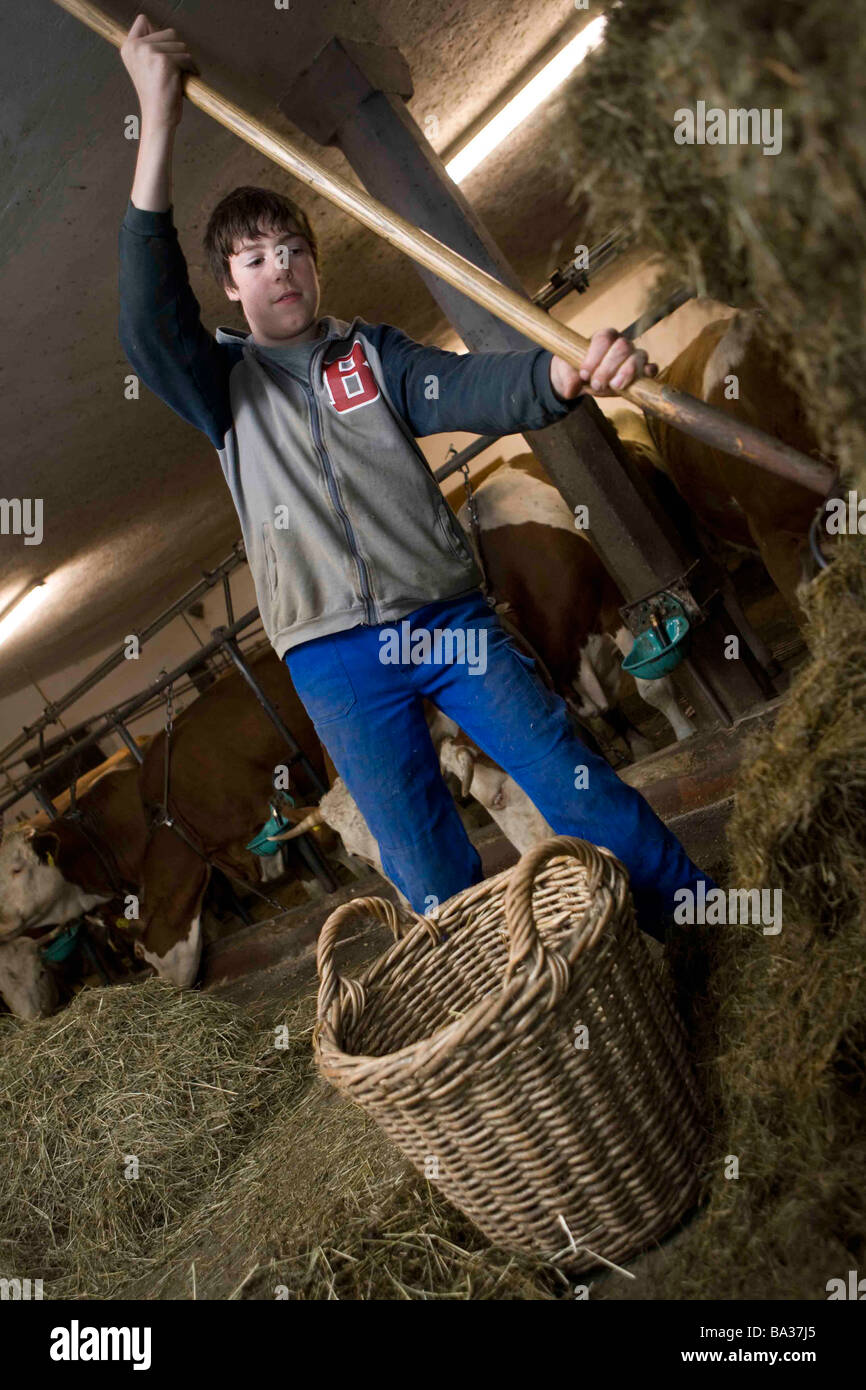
(524, 939)
(342, 990)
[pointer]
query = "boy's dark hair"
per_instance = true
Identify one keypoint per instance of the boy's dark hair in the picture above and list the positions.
(245, 213)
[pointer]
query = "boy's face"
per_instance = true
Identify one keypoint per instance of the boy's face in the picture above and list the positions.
(276, 283)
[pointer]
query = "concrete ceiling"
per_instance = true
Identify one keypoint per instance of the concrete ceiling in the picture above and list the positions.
(134, 500)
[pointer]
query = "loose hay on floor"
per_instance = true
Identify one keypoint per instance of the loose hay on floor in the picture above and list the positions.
(403, 1241)
(322, 1206)
(174, 1081)
(252, 1172)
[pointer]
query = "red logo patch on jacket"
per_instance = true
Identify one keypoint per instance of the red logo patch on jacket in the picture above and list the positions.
(350, 381)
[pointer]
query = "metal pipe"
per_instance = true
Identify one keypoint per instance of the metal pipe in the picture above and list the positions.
(646, 321)
(47, 805)
(55, 707)
(470, 452)
(109, 714)
(122, 732)
(128, 707)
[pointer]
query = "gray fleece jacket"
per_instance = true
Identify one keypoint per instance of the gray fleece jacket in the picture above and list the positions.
(342, 519)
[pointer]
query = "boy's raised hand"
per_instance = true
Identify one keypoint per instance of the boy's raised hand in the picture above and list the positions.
(155, 60)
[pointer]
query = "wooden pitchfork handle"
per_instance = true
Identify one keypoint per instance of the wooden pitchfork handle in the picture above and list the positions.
(682, 411)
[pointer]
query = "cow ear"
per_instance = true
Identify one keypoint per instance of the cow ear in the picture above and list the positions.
(47, 846)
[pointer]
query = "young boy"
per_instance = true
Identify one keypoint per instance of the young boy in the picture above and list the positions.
(347, 534)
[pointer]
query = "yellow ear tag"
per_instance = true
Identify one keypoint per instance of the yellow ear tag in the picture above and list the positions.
(51, 859)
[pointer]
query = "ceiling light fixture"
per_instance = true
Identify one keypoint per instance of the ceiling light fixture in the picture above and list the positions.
(537, 90)
(22, 608)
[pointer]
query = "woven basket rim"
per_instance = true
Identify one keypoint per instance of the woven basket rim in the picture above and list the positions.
(578, 941)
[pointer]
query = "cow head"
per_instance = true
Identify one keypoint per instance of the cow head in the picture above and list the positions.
(35, 889)
(26, 985)
(31, 884)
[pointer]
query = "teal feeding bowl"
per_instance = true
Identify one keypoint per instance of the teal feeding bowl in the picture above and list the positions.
(261, 843)
(62, 946)
(661, 647)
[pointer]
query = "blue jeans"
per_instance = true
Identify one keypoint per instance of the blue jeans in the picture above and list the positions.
(369, 716)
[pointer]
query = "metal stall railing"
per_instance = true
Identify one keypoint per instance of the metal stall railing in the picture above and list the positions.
(115, 719)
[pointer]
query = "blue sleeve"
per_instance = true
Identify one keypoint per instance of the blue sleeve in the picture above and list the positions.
(482, 392)
(161, 330)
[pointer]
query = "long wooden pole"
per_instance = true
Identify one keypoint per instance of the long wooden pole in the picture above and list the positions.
(682, 411)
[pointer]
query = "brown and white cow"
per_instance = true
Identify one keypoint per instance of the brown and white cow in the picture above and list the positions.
(52, 871)
(732, 367)
(224, 752)
(560, 596)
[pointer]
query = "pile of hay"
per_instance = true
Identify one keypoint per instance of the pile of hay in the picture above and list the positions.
(252, 1173)
(320, 1205)
(779, 1022)
(176, 1081)
(792, 1008)
(322, 1208)
(401, 1240)
(782, 232)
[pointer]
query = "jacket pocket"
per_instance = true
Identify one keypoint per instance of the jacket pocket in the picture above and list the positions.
(270, 559)
(451, 531)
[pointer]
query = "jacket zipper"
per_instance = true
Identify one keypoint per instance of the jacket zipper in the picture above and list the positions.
(337, 502)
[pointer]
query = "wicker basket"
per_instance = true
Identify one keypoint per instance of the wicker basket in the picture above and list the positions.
(464, 1042)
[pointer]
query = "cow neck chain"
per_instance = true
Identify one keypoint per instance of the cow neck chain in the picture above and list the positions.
(163, 818)
(102, 850)
(476, 534)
